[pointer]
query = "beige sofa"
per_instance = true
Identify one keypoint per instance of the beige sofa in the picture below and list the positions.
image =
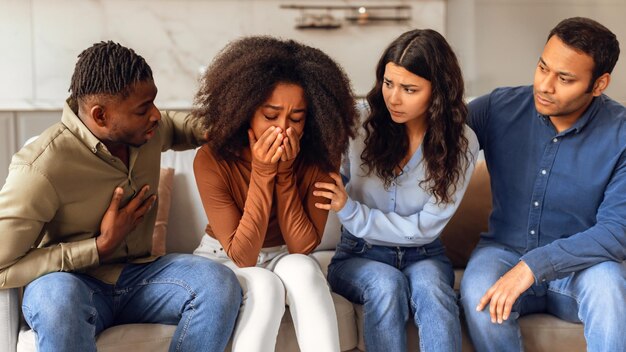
(541, 332)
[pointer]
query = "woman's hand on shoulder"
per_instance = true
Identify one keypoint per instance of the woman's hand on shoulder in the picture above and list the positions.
(267, 148)
(291, 145)
(336, 192)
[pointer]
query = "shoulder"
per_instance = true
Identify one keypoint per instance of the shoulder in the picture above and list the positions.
(504, 96)
(207, 161)
(613, 119)
(52, 152)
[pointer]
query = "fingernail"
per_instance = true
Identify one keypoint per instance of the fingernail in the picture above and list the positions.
(477, 308)
(493, 320)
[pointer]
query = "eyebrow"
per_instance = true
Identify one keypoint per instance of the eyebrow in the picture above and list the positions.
(280, 108)
(561, 73)
(402, 85)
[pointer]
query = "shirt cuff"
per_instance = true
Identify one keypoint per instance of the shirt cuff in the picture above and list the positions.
(538, 260)
(263, 168)
(285, 170)
(348, 209)
(80, 255)
(285, 166)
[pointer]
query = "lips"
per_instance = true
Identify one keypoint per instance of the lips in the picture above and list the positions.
(542, 100)
(395, 113)
(150, 131)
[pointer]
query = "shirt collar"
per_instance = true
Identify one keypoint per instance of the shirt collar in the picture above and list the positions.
(75, 125)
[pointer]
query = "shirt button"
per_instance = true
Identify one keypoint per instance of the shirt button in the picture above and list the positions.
(543, 172)
(536, 204)
(555, 140)
(532, 232)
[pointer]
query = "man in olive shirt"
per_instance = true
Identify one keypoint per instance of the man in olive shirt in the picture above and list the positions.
(78, 210)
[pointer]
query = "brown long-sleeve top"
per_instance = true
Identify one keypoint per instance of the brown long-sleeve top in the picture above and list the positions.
(253, 205)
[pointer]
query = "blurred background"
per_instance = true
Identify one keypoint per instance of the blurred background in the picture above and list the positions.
(498, 42)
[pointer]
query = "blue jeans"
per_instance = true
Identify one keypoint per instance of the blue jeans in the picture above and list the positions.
(595, 296)
(393, 282)
(68, 310)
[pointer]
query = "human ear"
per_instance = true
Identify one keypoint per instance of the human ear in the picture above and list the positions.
(601, 84)
(98, 115)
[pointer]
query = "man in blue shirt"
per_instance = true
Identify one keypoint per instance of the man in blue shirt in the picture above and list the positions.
(556, 153)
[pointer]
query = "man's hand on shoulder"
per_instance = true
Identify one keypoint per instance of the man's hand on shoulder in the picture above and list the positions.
(503, 294)
(118, 222)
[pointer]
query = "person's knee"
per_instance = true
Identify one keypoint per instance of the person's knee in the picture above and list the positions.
(389, 285)
(211, 280)
(605, 288)
(480, 274)
(67, 292)
(262, 287)
(299, 270)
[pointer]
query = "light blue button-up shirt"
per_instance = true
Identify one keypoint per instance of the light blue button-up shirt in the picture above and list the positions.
(404, 214)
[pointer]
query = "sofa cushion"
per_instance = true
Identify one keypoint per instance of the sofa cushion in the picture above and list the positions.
(163, 212)
(130, 337)
(463, 231)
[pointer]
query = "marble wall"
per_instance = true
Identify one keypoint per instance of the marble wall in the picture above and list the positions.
(41, 39)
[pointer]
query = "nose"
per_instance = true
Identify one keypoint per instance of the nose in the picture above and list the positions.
(546, 84)
(155, 114)
(282, 122)
(394, 97)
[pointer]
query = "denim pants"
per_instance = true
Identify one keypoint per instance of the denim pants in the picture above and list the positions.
(68, 310)
(595, 296)
(394, 282)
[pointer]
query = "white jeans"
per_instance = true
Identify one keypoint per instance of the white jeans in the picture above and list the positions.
(280, 278)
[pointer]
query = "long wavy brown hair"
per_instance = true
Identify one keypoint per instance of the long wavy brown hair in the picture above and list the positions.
(426, 54)
(243, 76)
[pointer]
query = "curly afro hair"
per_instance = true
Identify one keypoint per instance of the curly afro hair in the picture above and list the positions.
(243, 76)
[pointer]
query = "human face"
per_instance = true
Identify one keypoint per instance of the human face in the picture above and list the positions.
(561, 82)
(285, 108)
(407, 95)
(133, 120)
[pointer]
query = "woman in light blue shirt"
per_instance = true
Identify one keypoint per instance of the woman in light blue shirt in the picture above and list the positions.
(406, 173)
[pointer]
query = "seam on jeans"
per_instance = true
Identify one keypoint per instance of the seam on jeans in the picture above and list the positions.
(183, 332)
(192, 309)
(418, 322)
(180, 283)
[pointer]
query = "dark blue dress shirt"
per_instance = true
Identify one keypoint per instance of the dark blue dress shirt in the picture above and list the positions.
(559, 199)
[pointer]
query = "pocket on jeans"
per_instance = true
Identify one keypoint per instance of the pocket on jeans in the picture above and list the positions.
(352, 245)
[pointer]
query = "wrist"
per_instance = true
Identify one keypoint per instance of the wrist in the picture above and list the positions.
(268, 169)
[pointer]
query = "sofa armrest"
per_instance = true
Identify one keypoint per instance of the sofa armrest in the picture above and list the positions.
(9, 319)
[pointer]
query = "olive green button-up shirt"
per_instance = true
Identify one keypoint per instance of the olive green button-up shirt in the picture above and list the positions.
(58, 190)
